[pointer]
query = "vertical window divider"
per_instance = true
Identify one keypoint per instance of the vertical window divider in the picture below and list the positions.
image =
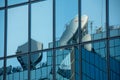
(29, 39)
(54, 41)
(80, 38)
(107, 42)
(5, 39)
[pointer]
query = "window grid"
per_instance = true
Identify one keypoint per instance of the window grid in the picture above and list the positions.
(54, 48)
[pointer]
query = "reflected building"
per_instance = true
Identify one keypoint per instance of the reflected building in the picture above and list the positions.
(73, 56)
(94, 63)
(35, 59)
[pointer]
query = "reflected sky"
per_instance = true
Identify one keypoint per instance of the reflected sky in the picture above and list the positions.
(1, 33)
(18, 19)
(114, 14)
(11, 2)
(65, 11)
(2, 3)
(17, 28)
(95, 9)
(41, 22)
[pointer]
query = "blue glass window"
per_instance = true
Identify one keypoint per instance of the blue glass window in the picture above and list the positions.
(1, 33)
(92, 58)
(12, 2)
(2, 3)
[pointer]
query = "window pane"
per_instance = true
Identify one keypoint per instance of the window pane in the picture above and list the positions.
(66, 21)
(115, 59)
(12, 2)
(42, 23)
(115, 49)
(98, 47)
(1, 70)
(40, 66)
(63, 64)
(114, 14)
(17, 68)
(94, 62)
(1, 33)
(2, 3)
(93, 19)
(17, 40)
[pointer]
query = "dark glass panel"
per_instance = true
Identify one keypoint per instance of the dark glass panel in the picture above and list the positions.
(1, 70)
(94, 62)
(115, 59)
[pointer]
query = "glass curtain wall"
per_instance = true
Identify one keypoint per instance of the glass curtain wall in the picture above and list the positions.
(59, 40)
(114, 27)
(1, 33)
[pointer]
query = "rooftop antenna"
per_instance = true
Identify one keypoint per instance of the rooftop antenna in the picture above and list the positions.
(102, 13)
(91, 26)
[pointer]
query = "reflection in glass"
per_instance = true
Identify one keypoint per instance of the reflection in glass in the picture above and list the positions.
(94, 16)
(17, 29)
(41, 30)
(99, 48)
(41, 67)
(12, 2)
(65, 26)
(1, 70)
(94, 64)
(115, 48)
(114, 22)
(2, 3)
(115, 58)
(16, 68)
(1, 33)
(63, 63)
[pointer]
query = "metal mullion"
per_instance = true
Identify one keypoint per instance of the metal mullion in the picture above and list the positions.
(35, 1)
(62, 47)
(34, 52)
(5, 39)
(29, 39)
(80, 38)
(11, 56)
(2, 8)
(54, 41)
(17, 5)
(107, 40)
(1, 58)
(20, 4)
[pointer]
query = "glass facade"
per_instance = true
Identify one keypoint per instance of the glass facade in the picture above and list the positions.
(17, 32)
(2, 33)
(59, 40)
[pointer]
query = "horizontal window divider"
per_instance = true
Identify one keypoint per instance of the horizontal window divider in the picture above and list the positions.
(20, 4)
